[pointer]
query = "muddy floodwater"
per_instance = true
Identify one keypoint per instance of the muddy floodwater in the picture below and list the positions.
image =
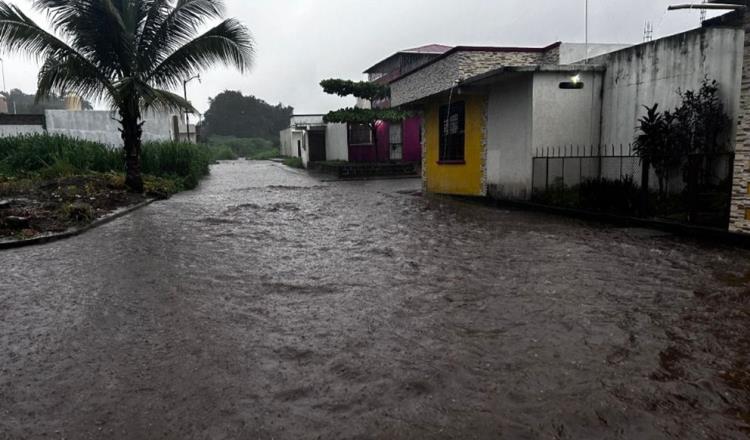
(272, 305)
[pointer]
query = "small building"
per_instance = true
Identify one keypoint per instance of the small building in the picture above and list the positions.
(488, 110)
(312, 140)
(485, 108)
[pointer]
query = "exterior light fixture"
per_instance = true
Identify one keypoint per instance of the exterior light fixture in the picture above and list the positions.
(575, 83)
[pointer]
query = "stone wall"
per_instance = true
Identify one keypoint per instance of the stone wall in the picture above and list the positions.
(740, 214)
(441, 75)
(435, 78)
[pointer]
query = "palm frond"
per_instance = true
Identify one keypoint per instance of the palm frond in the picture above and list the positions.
(63, 75)
(166, 32)
(228, 43)
(20, 34)
(162, 100)
(82, 22)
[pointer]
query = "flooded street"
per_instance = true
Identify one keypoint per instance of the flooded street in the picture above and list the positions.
(272, 305)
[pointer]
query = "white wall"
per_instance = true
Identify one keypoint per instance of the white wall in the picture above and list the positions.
(102, 126)
(15, 130)
(571, 53)
(653, 72)
(285, 140)
(337, 142)
(566, 117)
(509, 138)
(529, 113)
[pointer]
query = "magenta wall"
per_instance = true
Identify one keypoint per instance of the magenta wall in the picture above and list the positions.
(412, 128)
(413, 139)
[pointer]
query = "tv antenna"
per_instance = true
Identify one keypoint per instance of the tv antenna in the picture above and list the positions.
(648, 32)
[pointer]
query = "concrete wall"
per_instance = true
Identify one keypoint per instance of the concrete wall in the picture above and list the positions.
(653, 73)
(509, 138)
(572, 53)
(16, 130)
(285, 142)
(337, 144)
(101, 126)
(566, 117)
(530, 112)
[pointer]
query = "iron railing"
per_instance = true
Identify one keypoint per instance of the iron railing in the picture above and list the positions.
(691, 188)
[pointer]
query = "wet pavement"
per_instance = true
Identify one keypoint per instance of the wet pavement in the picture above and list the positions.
(271, 305)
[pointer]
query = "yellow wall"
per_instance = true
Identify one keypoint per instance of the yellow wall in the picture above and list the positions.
(464, 179)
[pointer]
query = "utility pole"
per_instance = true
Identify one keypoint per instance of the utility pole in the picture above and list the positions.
(187, 112)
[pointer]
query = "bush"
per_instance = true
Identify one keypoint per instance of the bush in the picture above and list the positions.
(222, 153)
(56, 154)
(53, 156)
(187, 163)
(294, 162)
(249, 148)
(621, 196)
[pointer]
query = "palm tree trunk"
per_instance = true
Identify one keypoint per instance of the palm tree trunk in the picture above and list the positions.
(131, 135)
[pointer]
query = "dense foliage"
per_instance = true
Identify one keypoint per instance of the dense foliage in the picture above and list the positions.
(698, 126)
(365, 116)
(49, 156)
(252, 148)
(361, 89)
(233, 114)
(128, 53)
(23, 104)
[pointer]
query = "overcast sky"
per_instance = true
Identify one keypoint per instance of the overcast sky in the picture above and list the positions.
(300, 42)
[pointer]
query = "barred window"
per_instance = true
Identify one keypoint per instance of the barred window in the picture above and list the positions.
(360, 134)
(452, 132)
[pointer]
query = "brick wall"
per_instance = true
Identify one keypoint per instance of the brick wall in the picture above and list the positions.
(740, 215)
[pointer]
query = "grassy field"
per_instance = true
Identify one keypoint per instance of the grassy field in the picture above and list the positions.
(231, 148)
(51, 183)
(54, 156)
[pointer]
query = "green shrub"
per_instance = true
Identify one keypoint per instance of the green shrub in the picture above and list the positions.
(59, 154)
(294, 162)
(189, 163)
(249, 148)
(53, 156)
(222, 153)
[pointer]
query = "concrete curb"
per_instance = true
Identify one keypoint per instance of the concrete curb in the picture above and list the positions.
(44, 239)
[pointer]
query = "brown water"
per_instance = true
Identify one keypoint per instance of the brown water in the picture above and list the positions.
(268, 304)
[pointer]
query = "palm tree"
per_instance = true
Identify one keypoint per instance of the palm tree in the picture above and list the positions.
(128, 53)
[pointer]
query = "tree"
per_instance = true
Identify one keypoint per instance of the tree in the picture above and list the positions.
(366, 116)
(128, 53)
(698, 126)
(25, 104)
(233, 114)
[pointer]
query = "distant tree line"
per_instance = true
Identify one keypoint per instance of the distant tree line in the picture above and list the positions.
(26, 105)
(233, 114)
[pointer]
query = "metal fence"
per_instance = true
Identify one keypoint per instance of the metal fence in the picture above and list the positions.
(693, 188)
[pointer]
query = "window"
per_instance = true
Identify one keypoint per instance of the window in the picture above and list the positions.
(452, 132)
(396, 140)
(360, 134)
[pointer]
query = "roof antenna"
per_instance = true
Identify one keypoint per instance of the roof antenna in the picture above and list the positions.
(648, 32)
(586, 61)
(703, 13)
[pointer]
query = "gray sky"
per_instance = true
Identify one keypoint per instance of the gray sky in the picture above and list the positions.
(300, 42)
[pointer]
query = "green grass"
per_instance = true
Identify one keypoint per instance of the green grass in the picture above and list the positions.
(53, 156)
(249, 148)
(294, 162)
